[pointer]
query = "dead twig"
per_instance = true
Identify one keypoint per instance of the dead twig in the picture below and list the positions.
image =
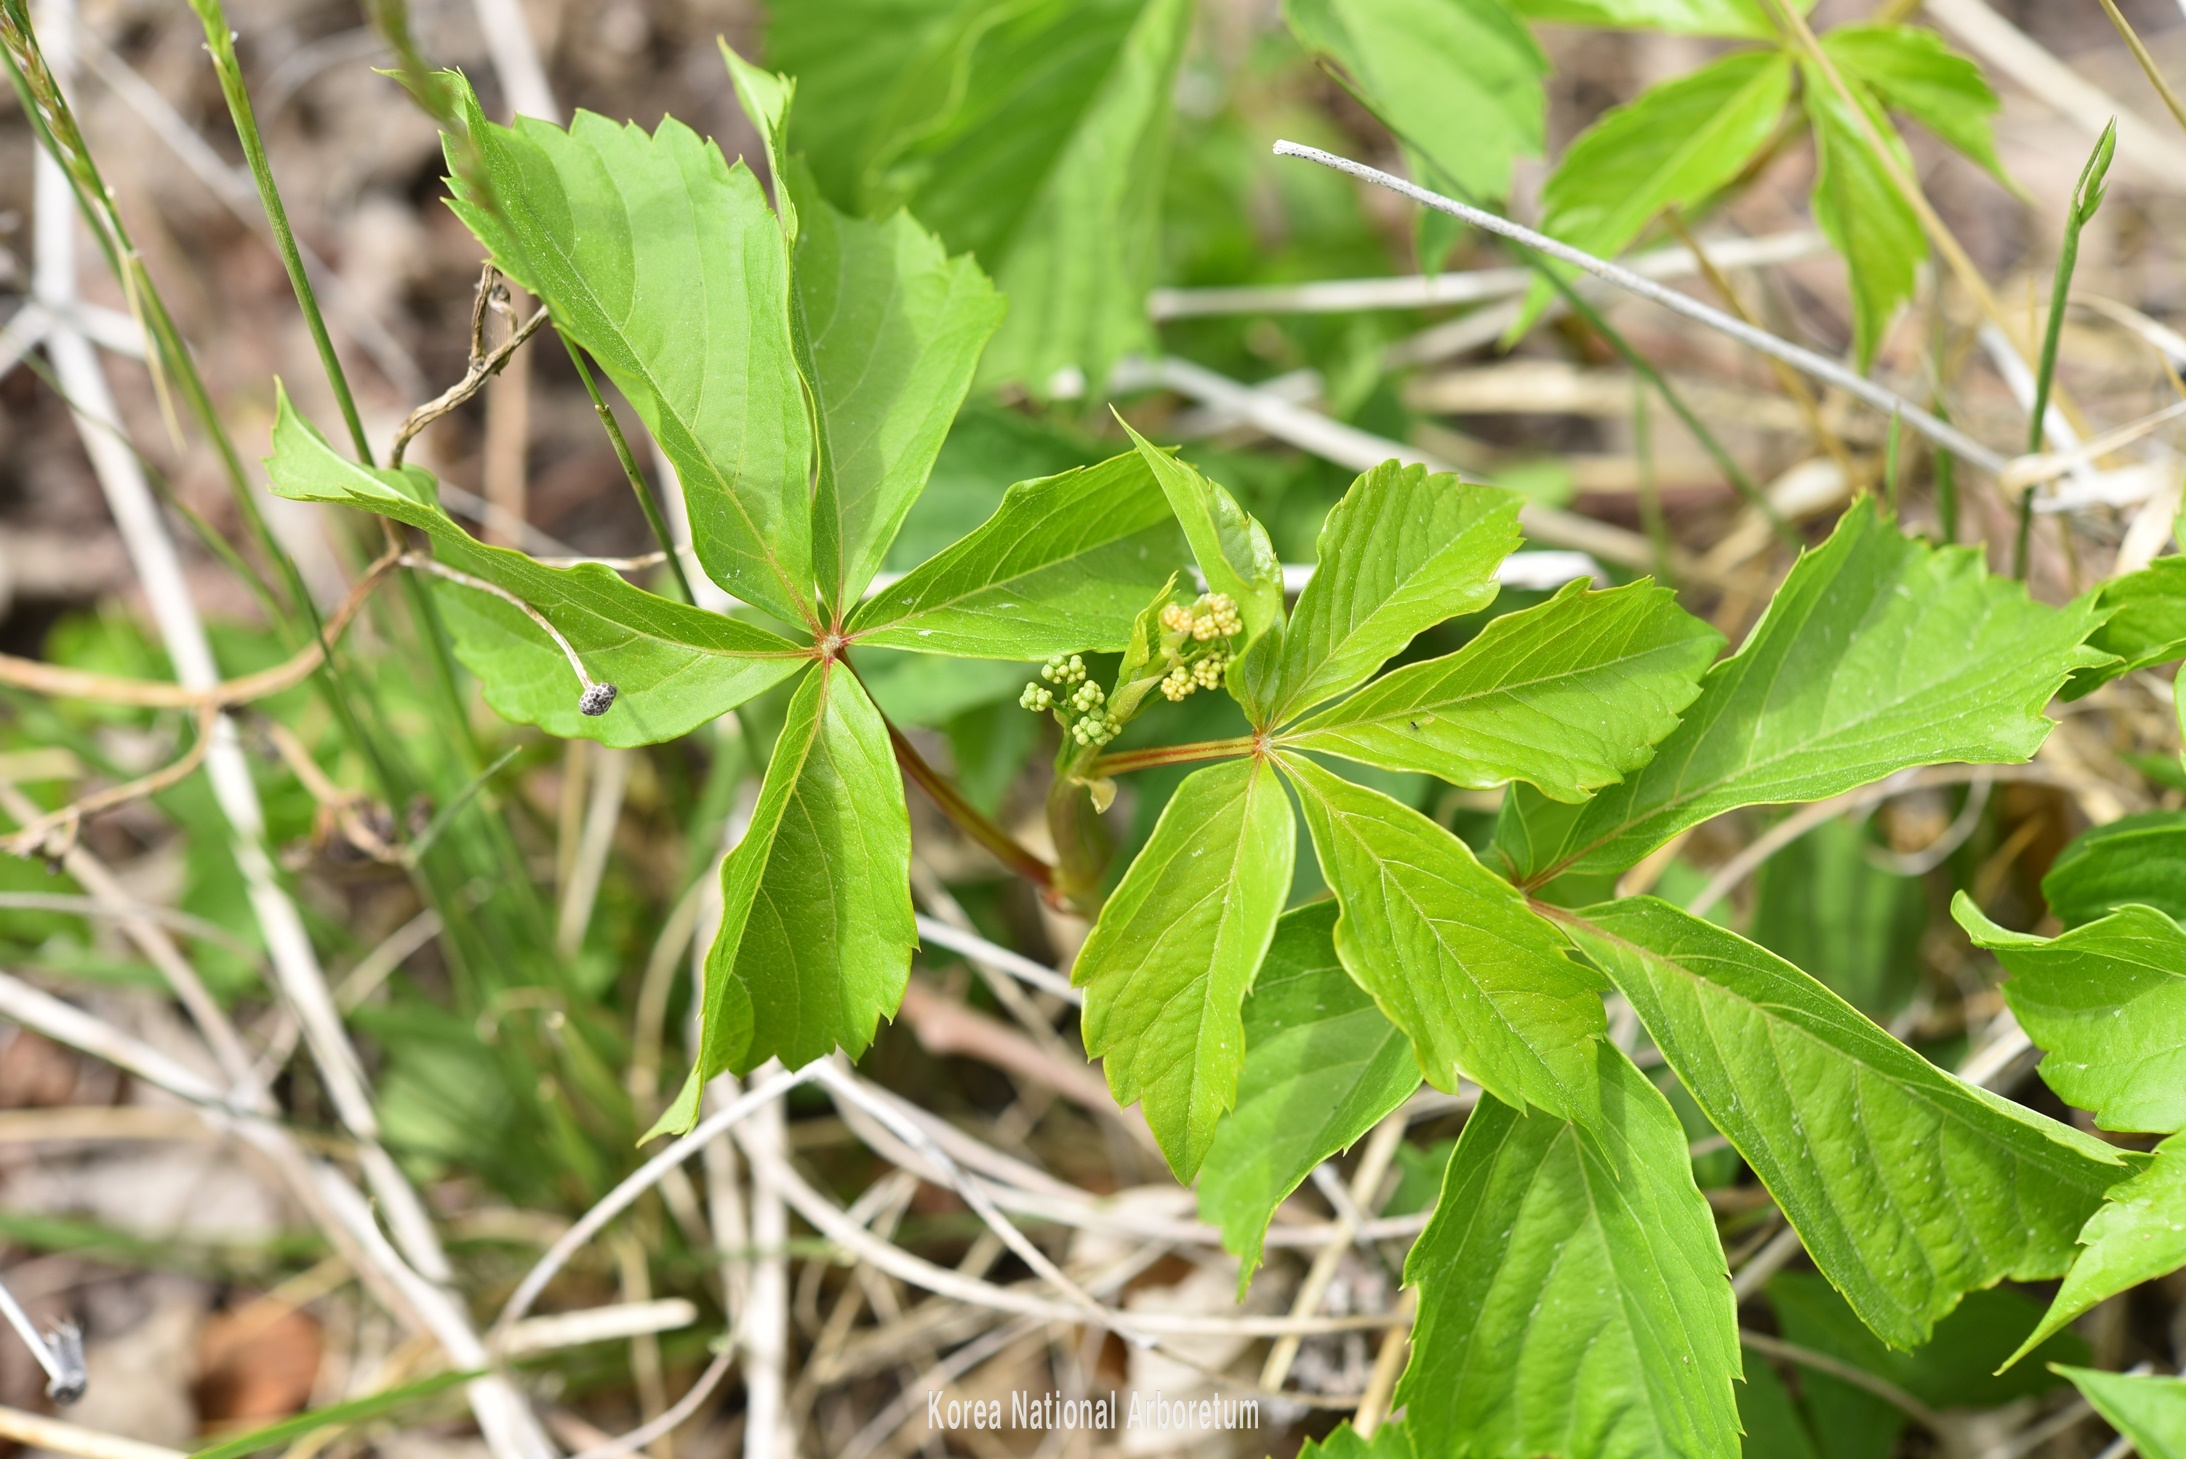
(53, 835)
(484, 365)
(65, 683)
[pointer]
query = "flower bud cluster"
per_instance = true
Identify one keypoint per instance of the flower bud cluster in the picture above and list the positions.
(1095, 729)
(1076, 700)
(1195, 643)
(1201, 673)
(1212, 620)
(1213, 616)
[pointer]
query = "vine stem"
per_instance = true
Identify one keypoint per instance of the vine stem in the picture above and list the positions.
(646, 504)
(1147, 759)
(968, 818)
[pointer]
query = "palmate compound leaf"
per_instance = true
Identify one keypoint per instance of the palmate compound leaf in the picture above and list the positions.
(2132, 859)
(1452, 955)
(1877, 653)
(1566, 696)
(664, 262)
(1956, 1369)
(1911, 70)
(1393, 1440)
(895, 329)
(1322, 1067)
(2138, 1236)
(1233, 551)
(1572, 1293)
(2107, 1001)
(1822, 905)
(1065, 563)
(2146, 626)
(1032, 134)
(816, 928)
(1400, 553)
(887, 330)
(1908, 1186)
(2149, 1410)
(1166, 968)
(1862, 214)
(1675, 145)
(1080, 262)
(1690, 17)
(674, 666)
(1458, 81)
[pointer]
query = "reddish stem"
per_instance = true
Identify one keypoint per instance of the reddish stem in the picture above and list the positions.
(1170, 755)
(969, 819)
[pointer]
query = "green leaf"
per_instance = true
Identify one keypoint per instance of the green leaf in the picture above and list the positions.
(766, 99)
(853, 60)
(1081, 263)
(2138, 1236)
(1908, 1186)
(1400, 553)
(1030, 132)
(1166, 968)
(1232, 549)
(816, 931)
(1322, 1067)
(1567, 696)
(1449, 950)
(1911, 70)
(1956, 1368)
(2132, 859)
(1675, 145)
(1458, 81)
(674, 667)
(1859, 211)
(2146, 626)
(2150, 1411)
(1064, 564)
(2108, 1003)
(895, 329)
(1688, 17)
(1877, 653)
(1572, 1293)
(1820, 904)
(1773, 1428)
(356, 1410)
(665, 264)
(1393, 1440)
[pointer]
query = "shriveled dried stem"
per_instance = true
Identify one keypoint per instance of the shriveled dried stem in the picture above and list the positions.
(66, 683)
(484, 365)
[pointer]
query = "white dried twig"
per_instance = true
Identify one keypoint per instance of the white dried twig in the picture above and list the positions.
(616, 1322)
(59, 1437)
(1820, 367)
(1469, 286)
(635, 1184)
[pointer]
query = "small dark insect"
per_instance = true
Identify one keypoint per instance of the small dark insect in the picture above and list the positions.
(597, 700)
